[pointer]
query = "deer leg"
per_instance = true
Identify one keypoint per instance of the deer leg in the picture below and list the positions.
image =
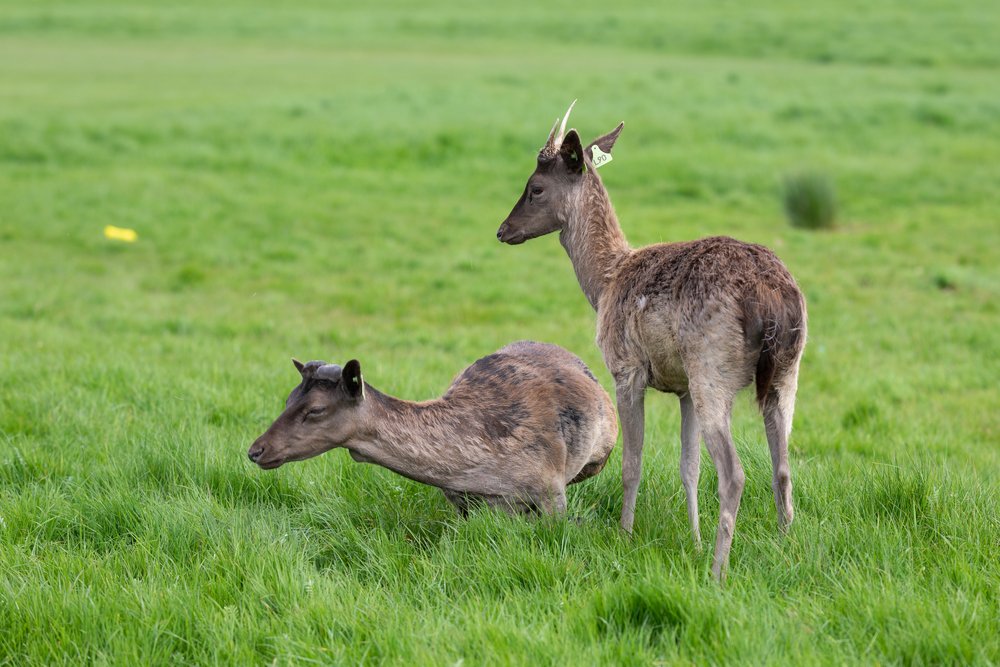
(551, 501)
(778, 409)
(781, 481)
(631, 413)
(690, 463)
(558, 502)
(459, 500)
(714, 419)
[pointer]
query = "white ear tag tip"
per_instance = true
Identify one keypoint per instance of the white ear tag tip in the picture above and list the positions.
(600, 157)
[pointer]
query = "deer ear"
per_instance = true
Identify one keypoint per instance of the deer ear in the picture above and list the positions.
(572, 152)
(607, 142)
(298, 364)
(351, 379)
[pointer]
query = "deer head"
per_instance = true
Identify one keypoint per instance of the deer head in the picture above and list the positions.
(557, 187)
(324, 411)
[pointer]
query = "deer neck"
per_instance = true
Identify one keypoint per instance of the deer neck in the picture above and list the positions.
(412, 439)
(594, 240)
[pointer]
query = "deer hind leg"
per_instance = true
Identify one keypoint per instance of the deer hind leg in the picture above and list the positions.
(712, 406)
(690, 462)
(551, 501)
(779, 406)
(632, 415)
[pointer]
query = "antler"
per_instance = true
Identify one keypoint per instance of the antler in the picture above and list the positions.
(562, 128)
(554, 141)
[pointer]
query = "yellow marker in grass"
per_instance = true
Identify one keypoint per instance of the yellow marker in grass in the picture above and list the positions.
(120, 234)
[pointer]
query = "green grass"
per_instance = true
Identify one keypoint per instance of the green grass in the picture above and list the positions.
(326, 183)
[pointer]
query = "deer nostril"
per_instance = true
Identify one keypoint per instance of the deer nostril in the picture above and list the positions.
(255, 453)
(499, 233)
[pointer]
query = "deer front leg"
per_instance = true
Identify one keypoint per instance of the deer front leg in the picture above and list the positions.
(459, 500)
(631, 414)
(690, 463)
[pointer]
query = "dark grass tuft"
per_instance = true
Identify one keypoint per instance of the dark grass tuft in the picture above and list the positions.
(659, 611)
(809, 200)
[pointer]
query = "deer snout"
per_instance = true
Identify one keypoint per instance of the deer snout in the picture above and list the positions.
(257, 450)
(264, 454)
(506, 235)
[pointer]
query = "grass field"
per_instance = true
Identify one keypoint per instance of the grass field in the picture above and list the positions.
(326, 182)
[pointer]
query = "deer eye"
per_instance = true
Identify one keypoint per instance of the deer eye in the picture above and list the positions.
(315, 412)
(536, 190)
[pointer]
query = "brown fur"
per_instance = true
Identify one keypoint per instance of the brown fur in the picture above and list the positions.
(512, 431)
(709, 283)
(701, 319)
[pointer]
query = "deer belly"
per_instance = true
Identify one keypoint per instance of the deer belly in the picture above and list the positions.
(667, 374)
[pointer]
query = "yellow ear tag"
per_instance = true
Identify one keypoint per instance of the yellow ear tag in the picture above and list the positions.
(120, 234)
(600, 157)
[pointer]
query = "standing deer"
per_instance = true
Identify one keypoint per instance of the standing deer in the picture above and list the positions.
(699, 319)
(512, 431)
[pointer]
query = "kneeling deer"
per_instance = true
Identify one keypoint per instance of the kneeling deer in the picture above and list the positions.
(512, 431)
